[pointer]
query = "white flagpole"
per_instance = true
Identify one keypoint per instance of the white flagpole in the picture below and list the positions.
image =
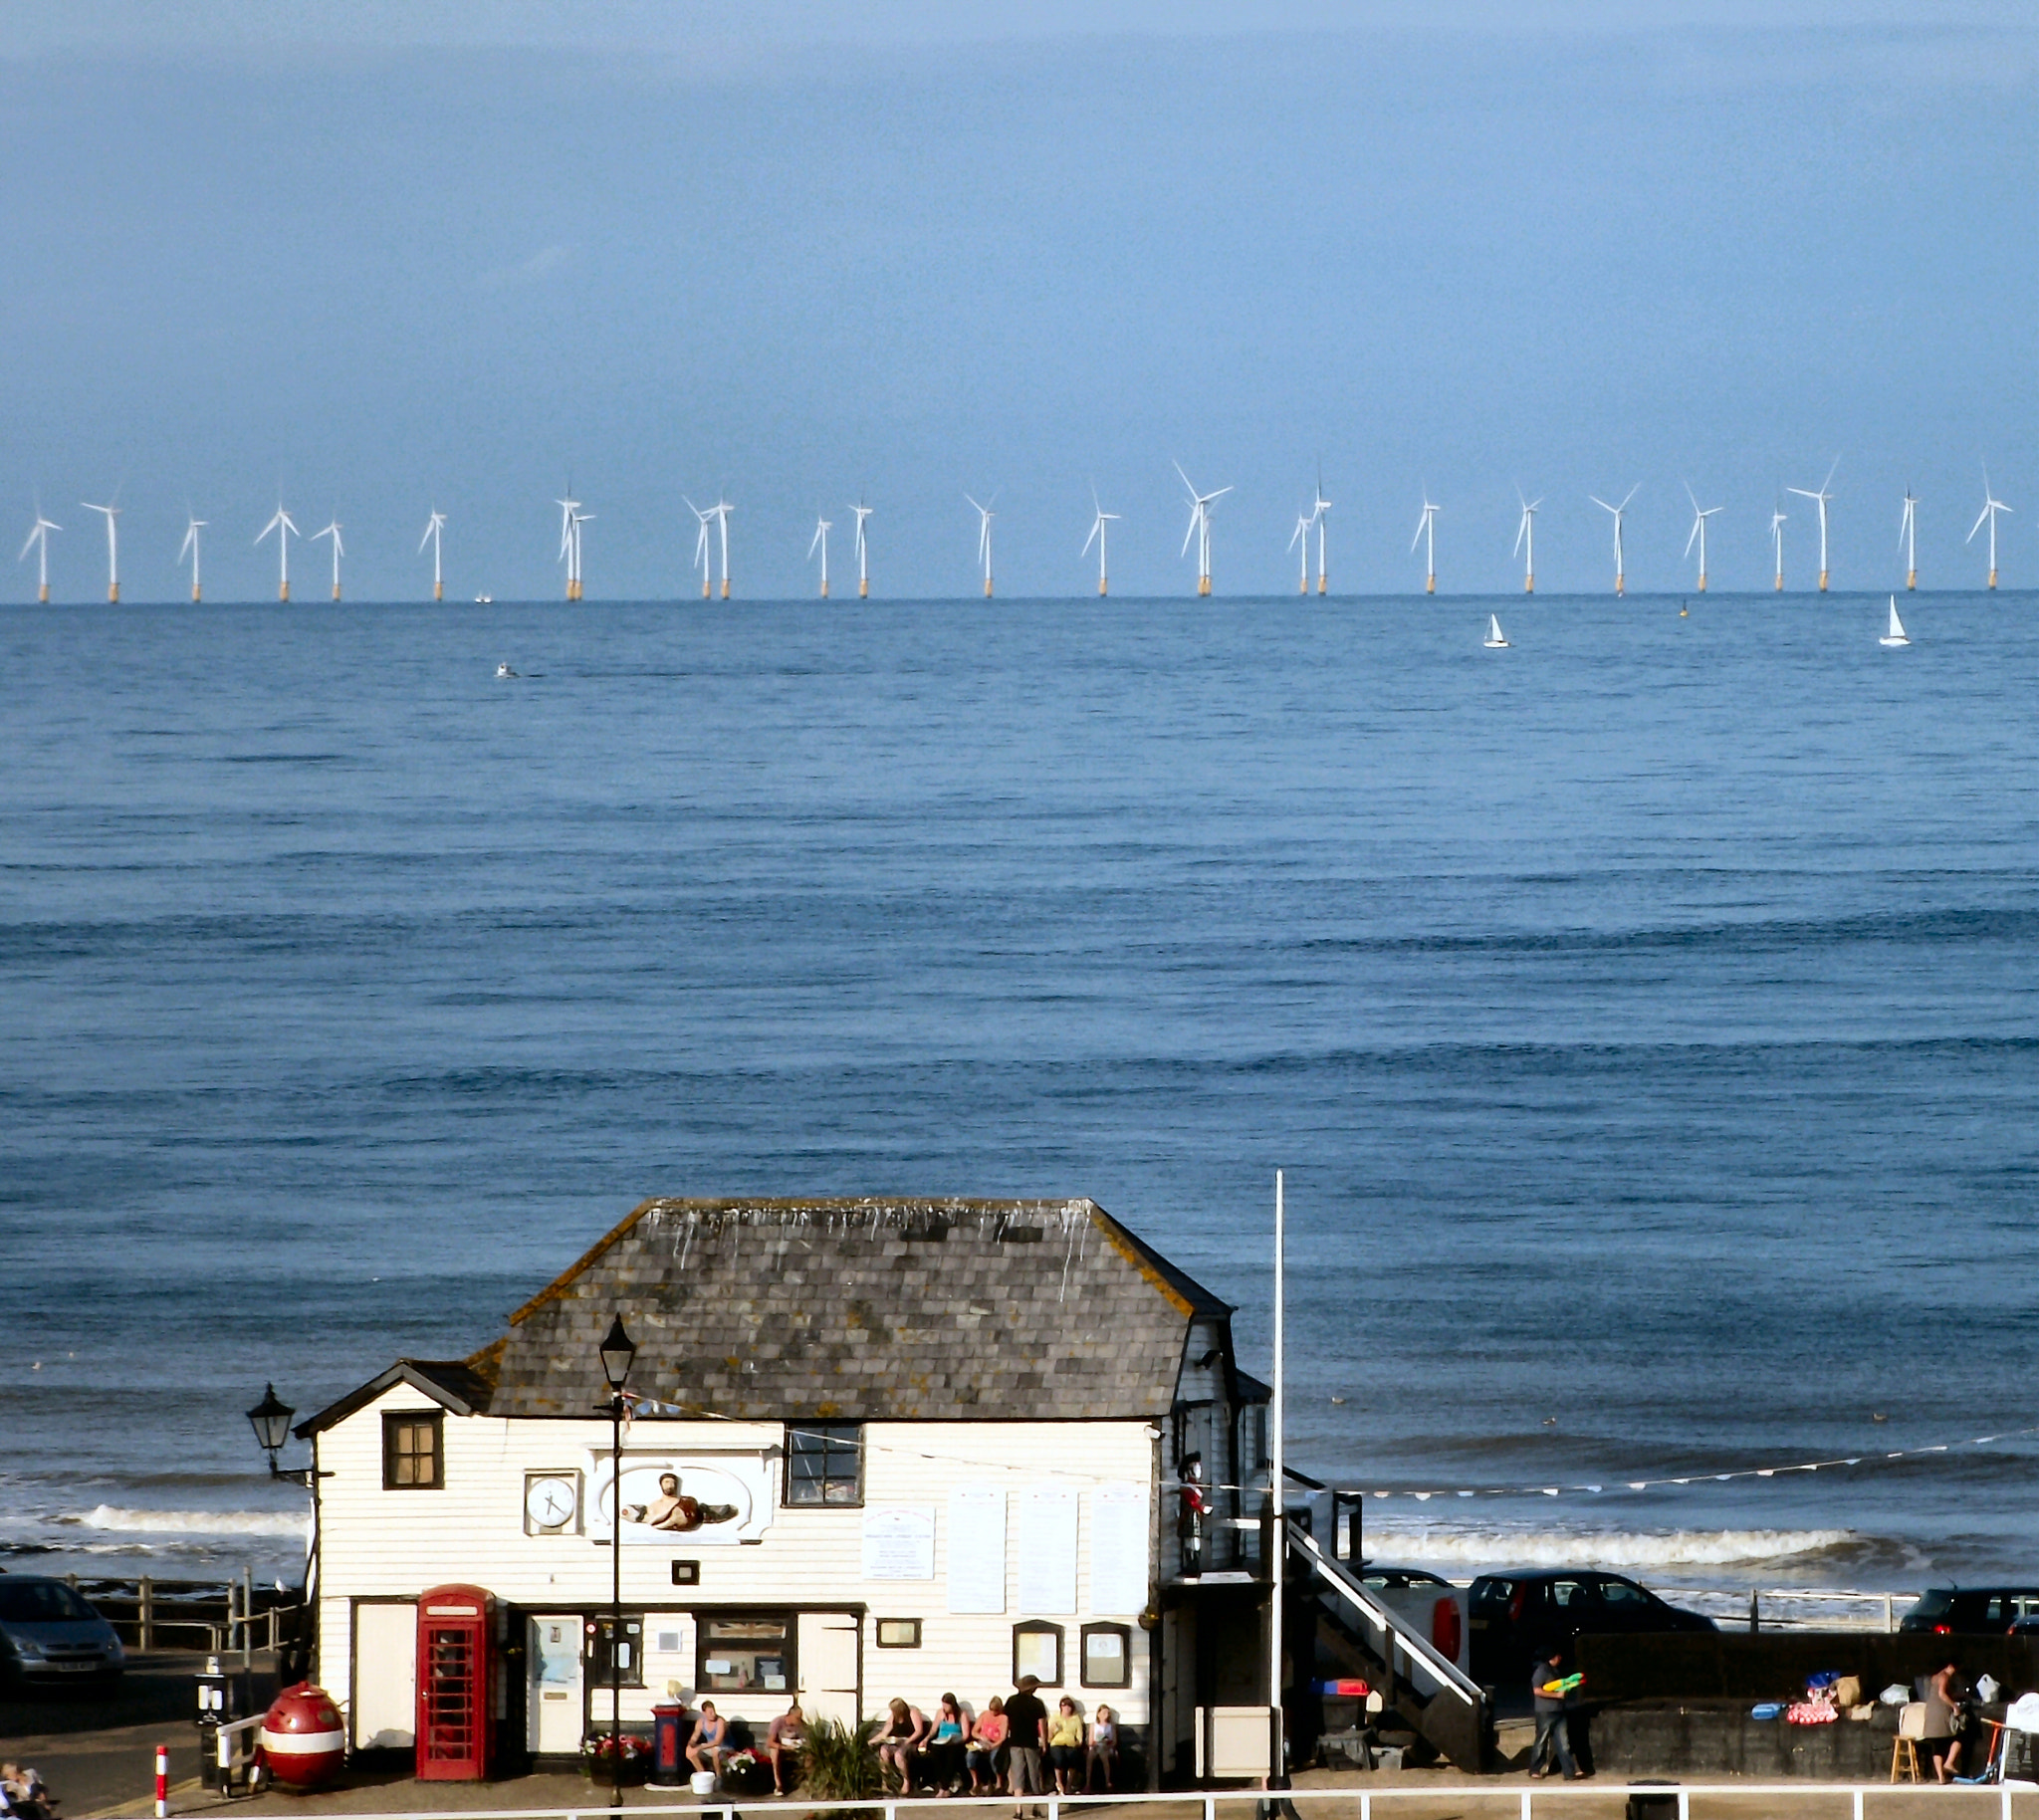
(1280, 1541)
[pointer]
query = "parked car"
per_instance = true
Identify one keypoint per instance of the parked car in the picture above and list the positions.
(1428, 1603)
(1982, 1611)
(1516, 1613)
(49, 1635)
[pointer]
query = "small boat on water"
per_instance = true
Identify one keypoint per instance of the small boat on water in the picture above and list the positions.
(1896, 635)
(504, 673)
(484, 600)
(1495, 640)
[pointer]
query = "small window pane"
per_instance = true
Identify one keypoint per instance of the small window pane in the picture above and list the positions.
(898, 1633)
(746, 1654)
(610, 1648)
(1037, 1651)
(411, 1452)
(1106, 1656)
(823, 1464)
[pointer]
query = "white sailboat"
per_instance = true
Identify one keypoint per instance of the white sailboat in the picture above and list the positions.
(1495, 640)
(1896, 635)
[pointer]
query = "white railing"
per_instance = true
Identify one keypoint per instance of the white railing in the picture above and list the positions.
(1498, 1801)
(1820, 1608)
(1395, 1629)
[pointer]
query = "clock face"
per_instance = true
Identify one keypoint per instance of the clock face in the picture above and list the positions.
(550, 1501)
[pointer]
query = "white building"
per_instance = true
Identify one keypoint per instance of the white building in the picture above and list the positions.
(879, 1447)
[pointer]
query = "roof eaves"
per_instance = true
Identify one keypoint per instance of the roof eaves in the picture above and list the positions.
(586, 1262)
(451, 1383)
(1179, 1289)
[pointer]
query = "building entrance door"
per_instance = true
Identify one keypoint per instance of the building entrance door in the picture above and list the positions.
(556, 1697)
(828, 1656)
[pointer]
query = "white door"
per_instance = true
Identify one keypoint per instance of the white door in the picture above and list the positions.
(554, 1666)
(829, 1659)
(386, 1700)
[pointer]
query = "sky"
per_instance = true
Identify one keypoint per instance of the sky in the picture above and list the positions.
(373, 259)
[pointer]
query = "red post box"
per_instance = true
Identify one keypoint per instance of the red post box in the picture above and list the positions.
(455, 1627)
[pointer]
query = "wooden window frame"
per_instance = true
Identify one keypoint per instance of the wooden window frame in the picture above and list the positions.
(704, 1648)
(1124, 1633)
(799, 1431)
(395, 1419)
(1041, 1626)
(910, 1625)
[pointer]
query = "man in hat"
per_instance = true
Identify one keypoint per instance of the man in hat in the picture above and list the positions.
(1026, 1739)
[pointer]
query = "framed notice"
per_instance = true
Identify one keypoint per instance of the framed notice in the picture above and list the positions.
(977, 1549)
(899, 1542)
(1047, 1542)
(1118, 1549)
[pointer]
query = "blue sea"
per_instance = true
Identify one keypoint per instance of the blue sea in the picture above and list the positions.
(1644, 1016)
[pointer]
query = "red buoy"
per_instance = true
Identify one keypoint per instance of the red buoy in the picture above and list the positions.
(301, 1740)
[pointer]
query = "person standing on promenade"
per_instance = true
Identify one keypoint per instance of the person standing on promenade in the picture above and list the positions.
(1548, 1682)
(1027, 1732)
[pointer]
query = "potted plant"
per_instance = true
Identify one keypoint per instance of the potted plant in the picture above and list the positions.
(599, 1757)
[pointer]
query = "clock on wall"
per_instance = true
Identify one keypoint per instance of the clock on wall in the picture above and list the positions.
(552, 1503)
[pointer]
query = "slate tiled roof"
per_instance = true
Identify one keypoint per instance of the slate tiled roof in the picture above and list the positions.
(861, 1309)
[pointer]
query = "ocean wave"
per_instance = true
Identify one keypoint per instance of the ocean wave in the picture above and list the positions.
(1486, 1548)
(189, 1522)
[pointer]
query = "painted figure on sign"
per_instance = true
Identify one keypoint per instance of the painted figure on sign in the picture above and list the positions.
(670, 1509)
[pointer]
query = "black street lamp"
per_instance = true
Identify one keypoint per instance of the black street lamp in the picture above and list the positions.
(270, 1421)
(618, 1351)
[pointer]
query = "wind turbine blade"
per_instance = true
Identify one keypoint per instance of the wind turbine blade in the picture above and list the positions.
(1601, 503)
(1692, 537)
(1631, 494)
(1178, 466)
(1977, 525)
(1831, 472)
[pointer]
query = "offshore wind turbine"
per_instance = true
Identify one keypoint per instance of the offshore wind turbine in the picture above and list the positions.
(1096, 536)
(1426, 534)
(1777, 523)
(1305, 523)
(1200, 528)
(822, 530)
(569, 542)
(1820, 498)
(863, 572)
(1698, 534)
(111, 514)
(1320, 510)
(285, 528)
(984, 515)
(1620, 584)
(579, 519)
(333, 531)
(1525, 541)
(1907, 537)
(433, 525)
(189, 548)
(39, 541)
(701, 561)
(722, 509)
(1991, 506)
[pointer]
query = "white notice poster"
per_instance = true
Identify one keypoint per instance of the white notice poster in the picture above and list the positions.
(899, 1542)
(1118, 1549)
(977, 1549)
(1046, 1541)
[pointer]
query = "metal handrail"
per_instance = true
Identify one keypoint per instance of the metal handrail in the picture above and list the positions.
(1521, 1801)
(1444, 1673)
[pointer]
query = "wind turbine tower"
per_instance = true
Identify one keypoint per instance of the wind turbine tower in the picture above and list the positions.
(433, 525)
(333, 531)
(1621, 580)
(1820, 499)
(1908, 534)
(1526, 543)
(985, 516)
(1426, 534)
(1697, 535)
(569, 542)
(1200, 528)
(1096, 536)
(822, 530)
(111, 514)
(579, 519)
(38, 542)
(1320, 512)
(1777, 523)
(1991, 506)
(864, 571)
(285, 528)
(1305, 523)
(721, 511)
(189, 548)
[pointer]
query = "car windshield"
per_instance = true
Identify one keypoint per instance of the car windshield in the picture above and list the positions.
(1936, 1604)
(42, 1602)
(1398, 1579)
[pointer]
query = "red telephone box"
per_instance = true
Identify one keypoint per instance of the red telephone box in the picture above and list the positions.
(455, 1673)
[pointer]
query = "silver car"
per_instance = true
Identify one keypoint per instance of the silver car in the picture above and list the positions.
(47, 1634)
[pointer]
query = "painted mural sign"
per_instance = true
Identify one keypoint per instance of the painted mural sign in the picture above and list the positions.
(696, 1498)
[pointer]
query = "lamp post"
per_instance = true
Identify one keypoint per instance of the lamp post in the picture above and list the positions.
(617, 1350)
(270, 1421)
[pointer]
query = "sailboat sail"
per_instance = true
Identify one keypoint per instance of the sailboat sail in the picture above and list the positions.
(1896, 634)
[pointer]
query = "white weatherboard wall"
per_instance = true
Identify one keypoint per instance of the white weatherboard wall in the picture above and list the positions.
(383, 1544)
